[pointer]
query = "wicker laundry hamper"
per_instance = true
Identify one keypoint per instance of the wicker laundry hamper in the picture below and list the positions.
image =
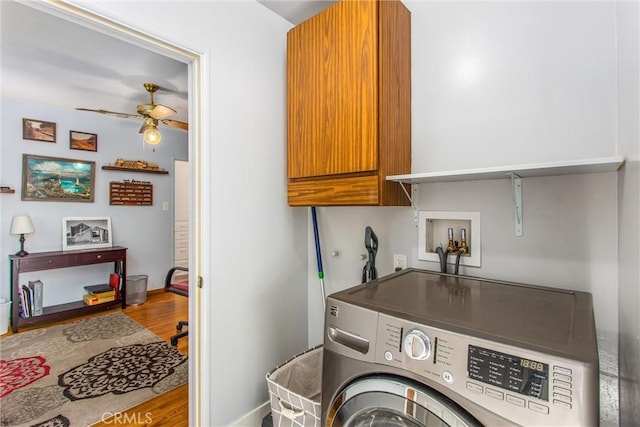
(294, 389)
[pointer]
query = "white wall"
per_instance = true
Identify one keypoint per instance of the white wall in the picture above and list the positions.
(253, 244)
(502, 83)
(629, 205)
(145, 230)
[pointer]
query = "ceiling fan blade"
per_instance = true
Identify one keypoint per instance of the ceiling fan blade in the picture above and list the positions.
(112, 113)
(162, 112)
(176, 124)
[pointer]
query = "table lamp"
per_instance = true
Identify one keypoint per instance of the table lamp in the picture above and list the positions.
(21, 225)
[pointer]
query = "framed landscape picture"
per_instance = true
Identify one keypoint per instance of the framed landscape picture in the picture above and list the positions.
(57, 179)
(86, 233)
(83, 141)
(38, 130)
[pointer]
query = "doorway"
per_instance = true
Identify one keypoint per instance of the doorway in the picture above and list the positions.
(71, 13)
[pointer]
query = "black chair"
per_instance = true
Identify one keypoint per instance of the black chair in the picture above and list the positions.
(178, 286)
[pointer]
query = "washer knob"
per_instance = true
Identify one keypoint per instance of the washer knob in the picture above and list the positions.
(417, 345)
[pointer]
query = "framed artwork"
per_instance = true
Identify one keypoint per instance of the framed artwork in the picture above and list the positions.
(38, 130)
(83, 141)
(86, 233)
(57, 179)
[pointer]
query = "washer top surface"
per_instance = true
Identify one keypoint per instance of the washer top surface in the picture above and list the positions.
(555, 321)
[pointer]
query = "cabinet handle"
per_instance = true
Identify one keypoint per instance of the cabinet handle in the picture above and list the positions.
(50, 261)
(99, 256)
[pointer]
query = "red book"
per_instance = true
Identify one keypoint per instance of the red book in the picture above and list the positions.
(114, 281)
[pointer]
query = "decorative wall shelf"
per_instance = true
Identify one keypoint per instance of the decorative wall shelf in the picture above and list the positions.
(7, 190)
(514, 172)
(116, 168)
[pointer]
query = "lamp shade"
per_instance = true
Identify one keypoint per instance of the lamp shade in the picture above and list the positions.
(21, 224)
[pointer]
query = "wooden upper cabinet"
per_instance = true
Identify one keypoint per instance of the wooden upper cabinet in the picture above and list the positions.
(349, 105)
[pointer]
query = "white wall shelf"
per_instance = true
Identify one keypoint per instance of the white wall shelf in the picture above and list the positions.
(514, 172)
(568, 167)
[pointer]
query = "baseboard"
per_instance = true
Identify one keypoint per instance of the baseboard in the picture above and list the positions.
(253, 418)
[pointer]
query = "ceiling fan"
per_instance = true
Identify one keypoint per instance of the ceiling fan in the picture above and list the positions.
(151, 114)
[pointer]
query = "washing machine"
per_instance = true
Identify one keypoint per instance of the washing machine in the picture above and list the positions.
(420, 348)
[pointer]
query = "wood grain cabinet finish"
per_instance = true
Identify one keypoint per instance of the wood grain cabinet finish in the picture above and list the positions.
(349, 105)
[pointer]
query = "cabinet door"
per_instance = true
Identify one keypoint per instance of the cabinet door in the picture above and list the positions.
(333, 92)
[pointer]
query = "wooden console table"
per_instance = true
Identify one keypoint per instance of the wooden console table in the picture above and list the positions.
(58, 259)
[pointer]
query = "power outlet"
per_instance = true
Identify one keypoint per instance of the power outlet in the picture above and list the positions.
(399, 262)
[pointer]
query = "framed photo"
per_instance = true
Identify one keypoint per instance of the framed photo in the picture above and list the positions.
(56, 179)
(86, 233)
(83, 141)
(37, 130)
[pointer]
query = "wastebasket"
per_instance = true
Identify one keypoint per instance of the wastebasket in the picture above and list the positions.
(5, 314)
(136, 289)
(294, 389)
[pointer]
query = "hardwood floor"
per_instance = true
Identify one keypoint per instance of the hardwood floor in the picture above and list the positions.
(160, 314)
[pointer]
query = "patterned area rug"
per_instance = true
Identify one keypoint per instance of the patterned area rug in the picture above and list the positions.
(80, 373)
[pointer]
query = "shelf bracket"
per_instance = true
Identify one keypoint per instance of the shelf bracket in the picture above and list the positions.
(516, 186)
(413, 200)
(414, 204)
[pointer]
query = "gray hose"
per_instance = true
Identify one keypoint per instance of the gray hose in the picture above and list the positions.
(458, 262)
(443, 258)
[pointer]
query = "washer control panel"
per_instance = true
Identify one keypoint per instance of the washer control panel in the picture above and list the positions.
(524, 386)
(506, 371)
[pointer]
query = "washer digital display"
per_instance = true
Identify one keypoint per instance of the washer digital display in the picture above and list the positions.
(523, 376)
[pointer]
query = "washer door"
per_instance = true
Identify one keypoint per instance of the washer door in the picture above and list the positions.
(393, 401)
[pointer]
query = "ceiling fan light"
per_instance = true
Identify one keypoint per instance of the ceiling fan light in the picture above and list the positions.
(152, 135)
